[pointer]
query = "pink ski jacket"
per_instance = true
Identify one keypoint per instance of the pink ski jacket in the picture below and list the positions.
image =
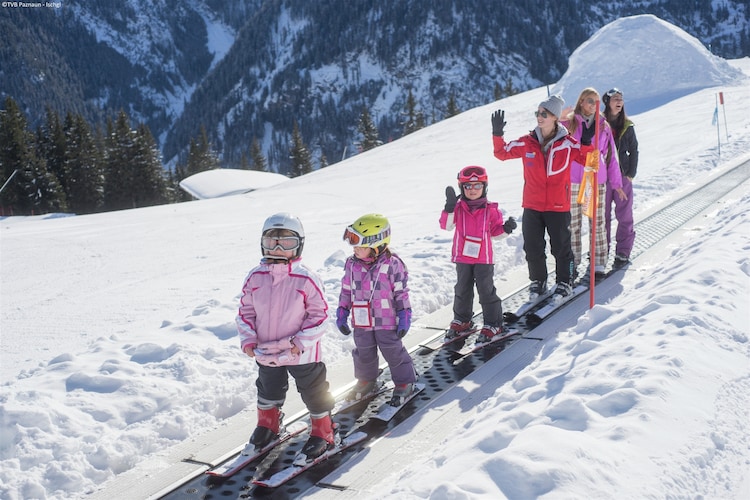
(472, 243)
(609, 165)
(283, 305)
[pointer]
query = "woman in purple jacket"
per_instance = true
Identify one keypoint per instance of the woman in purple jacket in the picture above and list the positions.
(282, 318)
(375, 291)
(476, 221)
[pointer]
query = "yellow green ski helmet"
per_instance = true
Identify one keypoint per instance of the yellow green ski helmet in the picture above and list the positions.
(371, 231)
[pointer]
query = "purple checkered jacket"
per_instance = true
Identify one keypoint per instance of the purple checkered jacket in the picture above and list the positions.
(383, 283)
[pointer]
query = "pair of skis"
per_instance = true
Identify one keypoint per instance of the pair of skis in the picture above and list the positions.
(301, 463)
(250, 453)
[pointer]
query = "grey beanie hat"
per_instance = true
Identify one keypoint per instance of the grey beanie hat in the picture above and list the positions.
(554, 104)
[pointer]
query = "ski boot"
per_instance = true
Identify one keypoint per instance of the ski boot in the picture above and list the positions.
(488, 332)
(323, 436)
(361, 389)
(269, 425)
(537, 288)
(456, 328)
(562, 290)
(401, 393)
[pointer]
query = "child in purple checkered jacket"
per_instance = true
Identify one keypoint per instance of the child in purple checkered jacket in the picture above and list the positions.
(375, 292)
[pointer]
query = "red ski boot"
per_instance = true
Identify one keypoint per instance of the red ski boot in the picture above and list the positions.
(269, 423)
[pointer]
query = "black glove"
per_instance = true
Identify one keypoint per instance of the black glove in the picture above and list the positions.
(450, 199)
(510, 225)
(587, 134)
(498, 122)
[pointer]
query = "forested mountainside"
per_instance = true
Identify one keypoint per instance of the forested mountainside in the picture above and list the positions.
(252, 70)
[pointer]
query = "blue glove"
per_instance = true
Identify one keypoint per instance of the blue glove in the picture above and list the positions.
(404, 322)
(510, 225)
(342, 317)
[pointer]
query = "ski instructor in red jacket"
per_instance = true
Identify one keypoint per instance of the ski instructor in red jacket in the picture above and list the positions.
(547, 152)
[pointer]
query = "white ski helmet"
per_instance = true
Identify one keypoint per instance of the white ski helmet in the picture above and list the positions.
(286, 221)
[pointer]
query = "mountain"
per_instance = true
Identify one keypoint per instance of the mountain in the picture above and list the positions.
(250, 69)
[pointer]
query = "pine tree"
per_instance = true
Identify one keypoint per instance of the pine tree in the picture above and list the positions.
(299, 154)
(201, 155)
(118, 172)
(414, 118)
(33, 189)
(83, 167)
(452, 108)
(149, 182)
(368, 130)
(259, 161)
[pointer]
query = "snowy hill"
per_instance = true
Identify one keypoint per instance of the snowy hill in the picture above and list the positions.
(118, 336)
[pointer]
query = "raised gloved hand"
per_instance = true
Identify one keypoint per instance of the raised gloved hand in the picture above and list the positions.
(587, 134)
(404, 322)
(510, 225)
(450, 199)
(498, 122)
(342, 317)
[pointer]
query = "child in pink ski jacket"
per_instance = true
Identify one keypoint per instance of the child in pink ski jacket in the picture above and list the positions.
(282, 318)
(476, 221)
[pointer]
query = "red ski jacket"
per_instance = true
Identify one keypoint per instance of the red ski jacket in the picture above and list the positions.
(546, 174)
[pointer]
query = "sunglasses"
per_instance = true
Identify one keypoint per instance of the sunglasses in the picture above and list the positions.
(356, 239)
(282, 242)
(543, 114)
(590, 100)
(475, 185)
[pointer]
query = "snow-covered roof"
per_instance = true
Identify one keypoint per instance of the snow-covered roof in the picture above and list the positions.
(228, 181)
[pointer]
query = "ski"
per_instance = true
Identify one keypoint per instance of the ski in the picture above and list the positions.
(296, 469)
(507, 333)
(345, 404)
(552, 305)
(250, 453)
(461, 336)
(512, 317)
(388, 411)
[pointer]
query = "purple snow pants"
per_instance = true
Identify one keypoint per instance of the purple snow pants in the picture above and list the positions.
(625, 235)
(365, 356)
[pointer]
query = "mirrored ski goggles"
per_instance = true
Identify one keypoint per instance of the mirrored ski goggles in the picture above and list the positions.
(469, 171)
(475, 185)
(282, 242)
(359, 240)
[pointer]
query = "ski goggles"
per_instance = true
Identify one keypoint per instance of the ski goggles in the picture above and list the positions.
(613, 92)
(282, 242)
(475, 185)
(360, 240)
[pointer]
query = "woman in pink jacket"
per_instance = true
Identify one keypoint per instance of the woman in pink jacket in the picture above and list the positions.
(582, 126)
(476, 221)
(281, 321)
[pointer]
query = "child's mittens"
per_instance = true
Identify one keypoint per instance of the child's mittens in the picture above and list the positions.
(450, 199)
(342, 317)
(510, 225)
(404, 322)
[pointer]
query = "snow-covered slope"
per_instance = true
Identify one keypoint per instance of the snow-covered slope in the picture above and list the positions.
(118, 336)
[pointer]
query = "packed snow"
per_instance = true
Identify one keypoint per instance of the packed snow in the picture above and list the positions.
(118, 336)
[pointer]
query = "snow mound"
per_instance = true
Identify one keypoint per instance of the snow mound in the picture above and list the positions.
(227, 181)
(650, 60)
